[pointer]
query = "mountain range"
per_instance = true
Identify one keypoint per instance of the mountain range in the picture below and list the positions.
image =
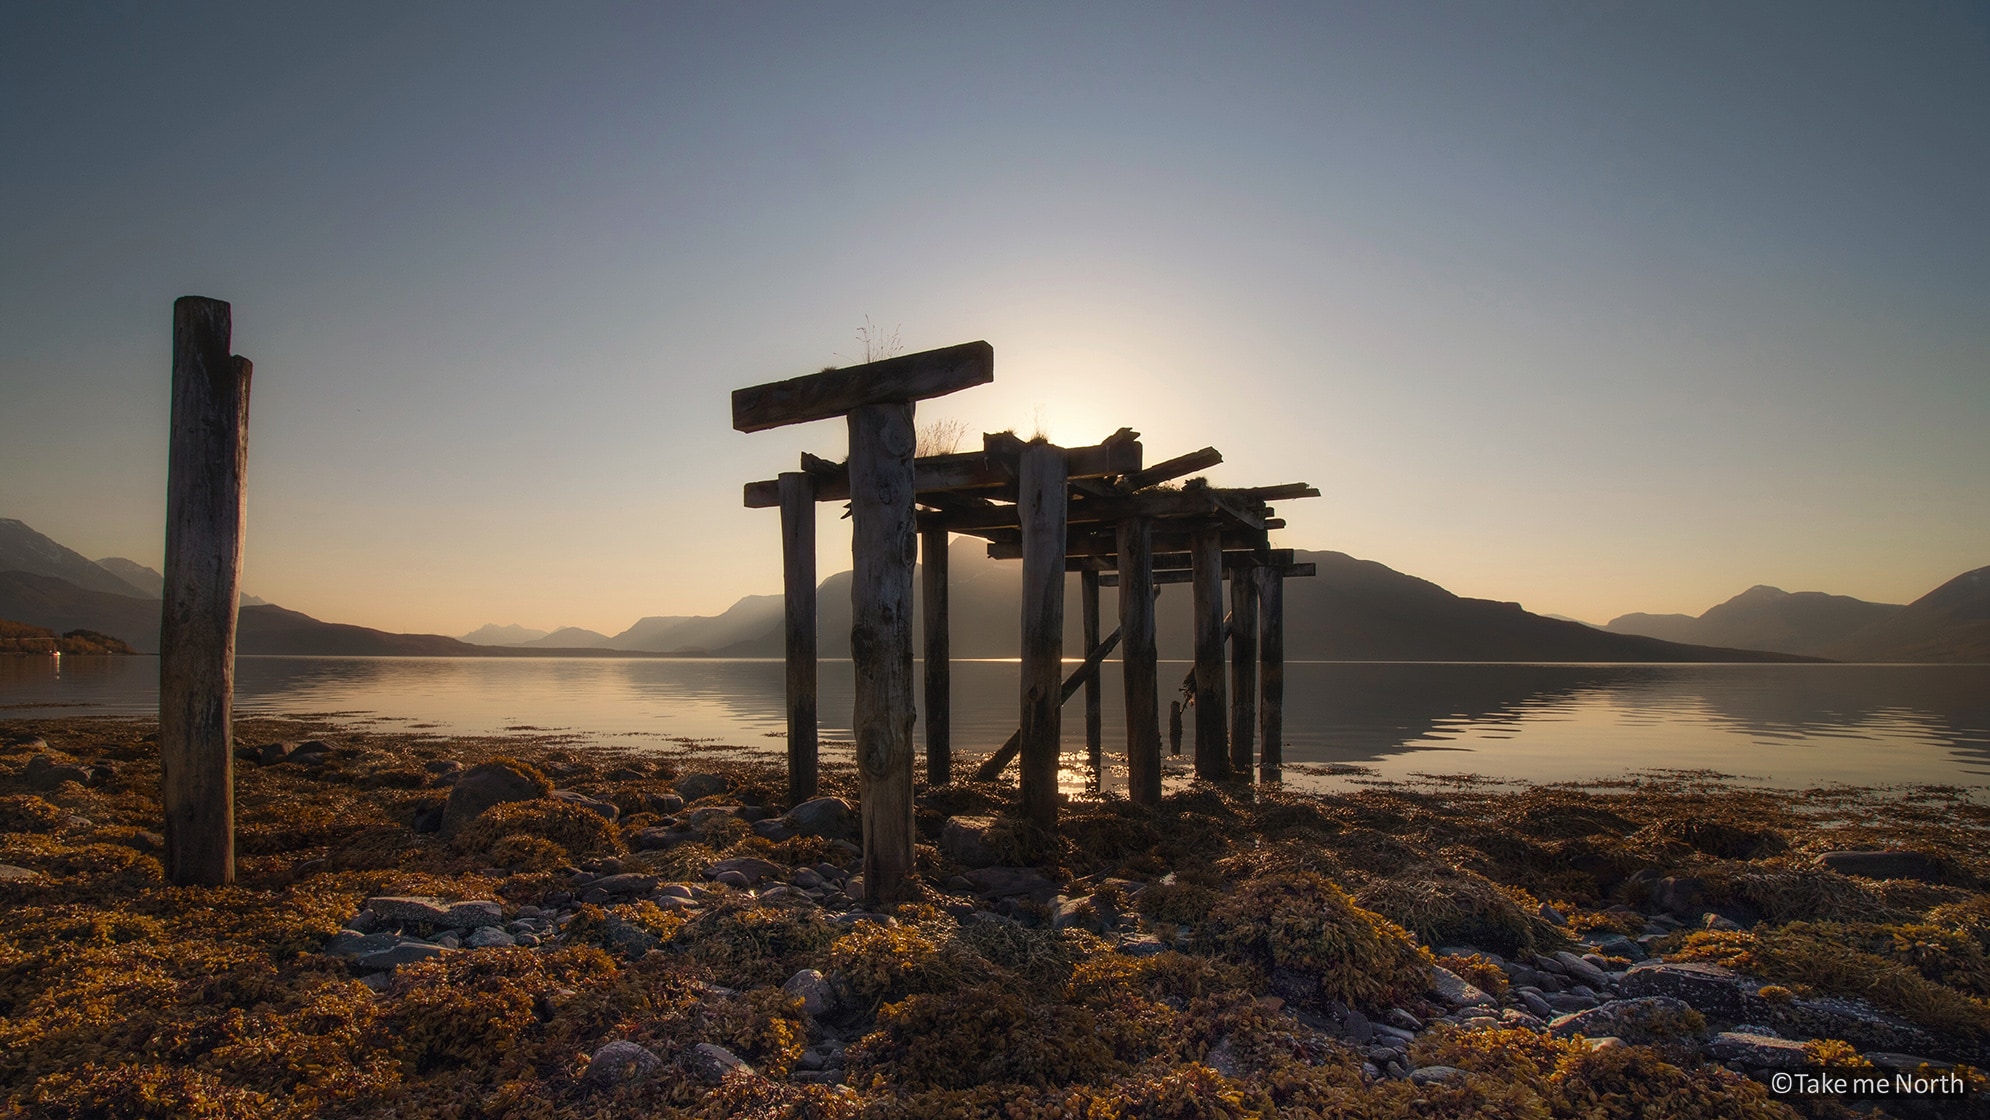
(1351, 610)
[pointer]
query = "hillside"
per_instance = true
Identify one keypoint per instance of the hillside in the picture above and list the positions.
(24, 550)
(491, 634)
(1762, 617)
(1950, 623)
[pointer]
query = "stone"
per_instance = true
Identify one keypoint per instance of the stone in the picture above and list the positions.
(627, 938)
(829, 817)
(691, 787)
(626, 883)
(619, 1063)
(1756, 1051)
(818, 996)
(1642, 1020)
(1141, 945)
(46, 772)
(711, 1062)
(751, 868)
(1902, 1063)
(775, 829)
(1402, 1020)
(965, 841)
(408, 909)
(605, 809)
(407, 952)
(655, 839)
(1535, 1005)
(12, 874)
(809, 879)
(484, 785)
(1006, 882)
(1566, 1002)
(1680, 895)
(472, 913)
(1884, 865)
(1581, 970)
(1434, 1075)
(702, 817)
(1552, 916)
(489, 937)
(1453, 989)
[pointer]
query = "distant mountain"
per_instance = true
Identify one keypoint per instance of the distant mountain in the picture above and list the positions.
(1805, 622)
(24, 550)
(491, 634)
(568, 637)
(748, 618)
(150, 583)
(1950, 623)
(1352, 610)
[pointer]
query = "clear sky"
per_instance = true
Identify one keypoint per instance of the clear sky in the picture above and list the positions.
(1600, 307)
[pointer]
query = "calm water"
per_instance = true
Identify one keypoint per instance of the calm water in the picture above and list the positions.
(1779, 724)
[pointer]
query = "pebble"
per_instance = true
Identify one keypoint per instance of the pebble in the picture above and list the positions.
(619, 1063)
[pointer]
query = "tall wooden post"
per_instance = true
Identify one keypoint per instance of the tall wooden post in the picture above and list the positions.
(1271, 601)
(1040, 510)
(1212, 757)
(1243, 670)
(884, 545)
(798, 592)
(939, 652)
(1139, 660)
(206, 510)
(1088, 592)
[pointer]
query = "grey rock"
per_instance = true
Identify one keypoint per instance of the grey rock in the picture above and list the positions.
(1553, 916)
(1681, 895)
(829, 817)
(1393, 1036)
(702, 818)
(1358, 1028)
(489, 937)
(46, 772)
(713, 1063)
(407, 952)
(691, 787)
(409, 909)
(732, 879)
(605, 809)
(619, 1063)
(1566, 1002)
(449, 941)
(12, 874)
(473, 913)
(654, 839)
(1642, 1020)
(1902, 1063)
(626, 883)
(964, 840)
(1434, 1075)
(1756, 1051)
(1007, 882)
(808, 879)
(818, 996)
(774, 829)
(750, 868)
(480, 787)
(627, 938)
(1884, 865)
(1141, 945)
(1402, 1020)
(1581, 970)
(1453, 989)
(1535, 1005)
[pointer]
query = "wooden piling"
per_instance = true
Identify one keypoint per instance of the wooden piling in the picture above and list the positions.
(1174, 727)
(1040, 499)
(1271, 642)
(991, 768)
(939, 653)
(206, 507)
(884, 544)
(1139, 660)
(798, 593)
(1088, 591)
(1212, 757)
(1243, 670)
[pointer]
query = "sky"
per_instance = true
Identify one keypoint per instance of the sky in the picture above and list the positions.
(1598, 307)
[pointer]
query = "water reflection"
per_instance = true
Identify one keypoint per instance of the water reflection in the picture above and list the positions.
(1790, 724)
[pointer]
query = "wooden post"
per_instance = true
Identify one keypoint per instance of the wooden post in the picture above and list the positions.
(1139, 660)
(939, 653)
(206, 507)
(1040, 507)
(1271, 602)
(798, 592)
(991, 768)
(1088, 590)
(1212, 756)
(1243, 670)
(883, 546)
(1174, 727)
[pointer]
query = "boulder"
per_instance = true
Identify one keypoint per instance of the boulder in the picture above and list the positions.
(619, 1063)
(829, 817)
(605, 809)
(626, 883)
(11, 874)
(750, 868)
(1756, 1051)
(46, 772)
(408, 909)
(1643, 1020)
(484, 785)
(964, 840)
(654, 839)
(1005, 882)
(713, 1063)
(691, 787)
(775, 830)
(1455, 990)
(1582, 971)
(1435, 1075)
(489, 937)
(1884, 865)
(818, 996)
(407, 952)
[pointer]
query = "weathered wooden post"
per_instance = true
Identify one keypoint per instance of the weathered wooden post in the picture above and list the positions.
(206, 508)
(1212, 712)
(1174, 727)
(798, 594)
(877, 400)
(1271, 602)
(939, 653)
(1088, 593)
(1243, 669)
(1040, 510)
(1139, 660)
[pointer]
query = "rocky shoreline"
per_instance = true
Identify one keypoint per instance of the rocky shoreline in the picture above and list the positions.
(519, 927)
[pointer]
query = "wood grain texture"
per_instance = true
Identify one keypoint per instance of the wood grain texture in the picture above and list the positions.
(1243, 669)
(1140, 663)
(1212, 731)
(1271, 652)
(798, 592)
(884, 548)
(1088, 595)
(972, 472)
(1174, 468)
(939, 654)
(1041, 504)
(206, 508)
(835, 392)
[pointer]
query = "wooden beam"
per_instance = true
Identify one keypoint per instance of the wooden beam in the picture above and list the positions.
(939, 650)
(1243, 668)
(834, 392)
(882, 546)
(991, 768)
(206, 506)
(1271, 651)
(1041, 504)
(1212, 759)
(1173, 468)
(966, 474)
(1178, 575)
(798, 596)
(1088, 594)
(1233, 558)
(1140, 666)
(1151, 504)
(1094, 541)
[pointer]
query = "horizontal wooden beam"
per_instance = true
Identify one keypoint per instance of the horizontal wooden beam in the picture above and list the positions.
(833, 392)
(1150, 503)
(1183, 575)
(1174, 468)
(1089, 542)
(970, 474)
(1168, 561)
